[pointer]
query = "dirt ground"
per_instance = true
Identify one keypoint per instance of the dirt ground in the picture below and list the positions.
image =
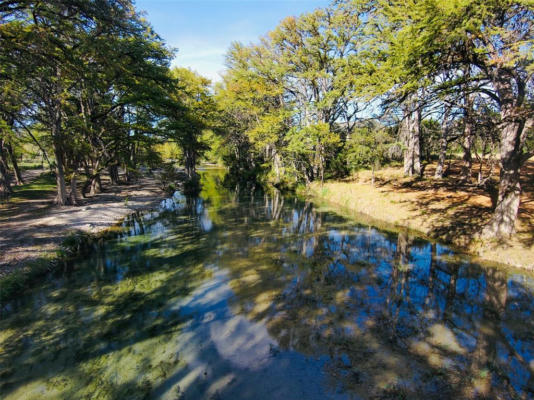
(31, 228)
(446, 210)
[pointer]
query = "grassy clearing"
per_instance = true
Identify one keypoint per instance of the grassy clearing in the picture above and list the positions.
(42, 187)
(30, 199)
(27, 165)
(443, 210)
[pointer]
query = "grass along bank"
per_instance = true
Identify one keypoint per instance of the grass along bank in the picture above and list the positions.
(74, 244)
(443, 210)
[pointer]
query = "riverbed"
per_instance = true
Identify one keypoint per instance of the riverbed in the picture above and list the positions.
(241, 293)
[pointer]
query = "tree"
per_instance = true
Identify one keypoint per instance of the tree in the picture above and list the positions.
(297, 84)
(493, 40)
(370, 146)
(188, 116)
(82, 68)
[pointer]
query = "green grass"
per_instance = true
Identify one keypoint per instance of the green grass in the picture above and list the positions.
(26, 165)
(40, 188)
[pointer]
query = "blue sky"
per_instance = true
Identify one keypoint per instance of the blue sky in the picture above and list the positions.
(202, 30)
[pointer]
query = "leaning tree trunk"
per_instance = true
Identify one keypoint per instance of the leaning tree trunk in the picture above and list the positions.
(18, 175)
(5, 184)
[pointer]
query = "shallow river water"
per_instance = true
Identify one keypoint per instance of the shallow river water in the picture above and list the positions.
(239, 294)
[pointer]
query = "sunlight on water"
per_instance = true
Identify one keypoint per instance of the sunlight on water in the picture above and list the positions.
(242, 294)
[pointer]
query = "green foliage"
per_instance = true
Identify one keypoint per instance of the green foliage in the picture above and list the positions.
(217, 150)
(187, 116)
(369, 148)
(169, 151)
(149, 157)
(288, 102)
(90, 75)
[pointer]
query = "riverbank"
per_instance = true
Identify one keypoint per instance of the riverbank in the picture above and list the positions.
(35, 234)
(442, 210)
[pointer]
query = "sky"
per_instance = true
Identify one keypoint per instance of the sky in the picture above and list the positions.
(202, 30)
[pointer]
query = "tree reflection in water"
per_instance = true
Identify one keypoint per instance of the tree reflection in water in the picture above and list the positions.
(246, 294)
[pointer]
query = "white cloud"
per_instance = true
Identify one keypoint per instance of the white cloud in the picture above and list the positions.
(202, 57)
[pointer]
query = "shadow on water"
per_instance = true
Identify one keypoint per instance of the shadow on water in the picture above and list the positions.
(243, 294)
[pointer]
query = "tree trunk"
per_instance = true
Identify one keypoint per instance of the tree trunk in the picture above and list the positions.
(114, 174)
(443, 143)
(18, 176)
(502, 223)
(277, 166)
(467, 161)
(411, 136)
(96, 185)
(321, 164)
(61, 196)
(73, 196)
(190, 161)
(57, 136)
(516, 122)
(5, 184)
(130, 175)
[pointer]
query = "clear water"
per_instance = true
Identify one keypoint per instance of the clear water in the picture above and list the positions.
(239, 294)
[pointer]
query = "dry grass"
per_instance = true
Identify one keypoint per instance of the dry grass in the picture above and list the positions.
(446, 210)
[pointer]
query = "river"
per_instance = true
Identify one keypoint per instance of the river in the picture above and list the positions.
(244, 294)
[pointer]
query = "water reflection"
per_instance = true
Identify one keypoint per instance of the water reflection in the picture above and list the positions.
(243, 294)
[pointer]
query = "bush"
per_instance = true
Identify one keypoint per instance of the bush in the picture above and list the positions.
(169, 177)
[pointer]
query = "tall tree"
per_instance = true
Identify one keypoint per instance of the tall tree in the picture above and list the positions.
(296, 91)
(492, 39)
